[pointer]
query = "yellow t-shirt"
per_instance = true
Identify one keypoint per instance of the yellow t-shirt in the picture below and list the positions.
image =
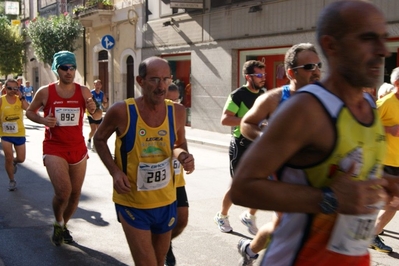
(388, 109)
(144, 154)
(12, 118)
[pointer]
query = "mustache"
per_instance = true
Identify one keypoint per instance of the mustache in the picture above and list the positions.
(159, 92)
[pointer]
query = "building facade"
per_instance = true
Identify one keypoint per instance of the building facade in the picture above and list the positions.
(208, 46)
(110, 49)
(205, 41)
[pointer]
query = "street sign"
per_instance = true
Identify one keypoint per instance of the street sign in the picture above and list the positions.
(108, 42)
(15, 22)
(12, 8)
(186, 3)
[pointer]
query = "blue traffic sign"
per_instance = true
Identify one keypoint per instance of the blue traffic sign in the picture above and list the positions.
(108, 42)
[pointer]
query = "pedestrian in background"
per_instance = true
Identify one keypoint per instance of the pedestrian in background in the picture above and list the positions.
(150, 131)
(388, 109)
(28, 92)
(385, 89)
(237, 104)
(64, 149)
(20, 85)
(102, 103)
(173, 94)
(326, 145)
(12, 129)
(302, 66)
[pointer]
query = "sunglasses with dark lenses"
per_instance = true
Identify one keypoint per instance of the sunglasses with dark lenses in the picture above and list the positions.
(259, 75)
(12, 88)
(66, 68)
(309, 67)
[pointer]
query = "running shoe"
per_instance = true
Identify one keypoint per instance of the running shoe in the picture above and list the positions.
(58, 235)
(246, 260)
(378, 244)
(12, 185)
(68, 239)
(170, 259)
(223, 223)
(249, 221)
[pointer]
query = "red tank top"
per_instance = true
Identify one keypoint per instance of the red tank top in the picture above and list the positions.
(67, 135)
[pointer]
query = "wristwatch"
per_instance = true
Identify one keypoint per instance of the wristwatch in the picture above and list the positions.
(329, 204)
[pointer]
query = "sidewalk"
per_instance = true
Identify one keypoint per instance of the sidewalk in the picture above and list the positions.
(200, 136)
(207, 137)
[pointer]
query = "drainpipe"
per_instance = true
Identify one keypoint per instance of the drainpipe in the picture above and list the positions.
(84, 56)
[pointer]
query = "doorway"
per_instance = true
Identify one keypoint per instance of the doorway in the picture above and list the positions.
(130, 77)
(103, 74)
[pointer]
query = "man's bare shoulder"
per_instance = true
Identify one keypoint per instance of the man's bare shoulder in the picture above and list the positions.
(272, 96)
(179, 107)
(276, 92)
(117, 110)
(83, 87)
(43, 88)
(117, 107)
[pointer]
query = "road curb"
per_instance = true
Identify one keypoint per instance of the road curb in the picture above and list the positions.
(217, 144)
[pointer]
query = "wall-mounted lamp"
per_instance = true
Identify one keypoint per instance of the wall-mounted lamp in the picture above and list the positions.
(169, 22)
(254, 9)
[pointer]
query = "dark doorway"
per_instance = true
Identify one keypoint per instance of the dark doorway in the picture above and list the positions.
(103, 74)
(390, 64)
(130, 77)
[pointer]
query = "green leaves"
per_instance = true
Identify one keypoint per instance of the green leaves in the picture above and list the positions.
(53, 34)
(11, 48)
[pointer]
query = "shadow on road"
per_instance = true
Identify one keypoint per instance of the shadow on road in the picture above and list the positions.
(26, 218)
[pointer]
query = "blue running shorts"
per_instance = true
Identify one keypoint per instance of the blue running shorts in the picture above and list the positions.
(17, 141)
(158, 220)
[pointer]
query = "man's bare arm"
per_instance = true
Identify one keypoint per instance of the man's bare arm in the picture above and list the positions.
(91, 106)
(115, 121)
(180, 150)
(230, 119)
(32, 112)
(261, 110)
(289, 133)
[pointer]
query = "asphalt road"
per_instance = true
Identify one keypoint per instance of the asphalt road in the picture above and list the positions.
(26, 215)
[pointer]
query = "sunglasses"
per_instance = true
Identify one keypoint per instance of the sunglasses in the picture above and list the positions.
(66, 68)
(13, 88)
(259, 75)
(309, 67)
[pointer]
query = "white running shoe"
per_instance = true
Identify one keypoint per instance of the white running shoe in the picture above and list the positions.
(249, 221)
(223, 223)
(246, 260)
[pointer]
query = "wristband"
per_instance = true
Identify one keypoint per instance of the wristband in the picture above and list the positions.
(329, 203)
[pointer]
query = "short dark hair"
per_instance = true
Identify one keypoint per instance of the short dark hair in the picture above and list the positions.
(249, 66)
(332, 22)
(291, 56)
(173, 87)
